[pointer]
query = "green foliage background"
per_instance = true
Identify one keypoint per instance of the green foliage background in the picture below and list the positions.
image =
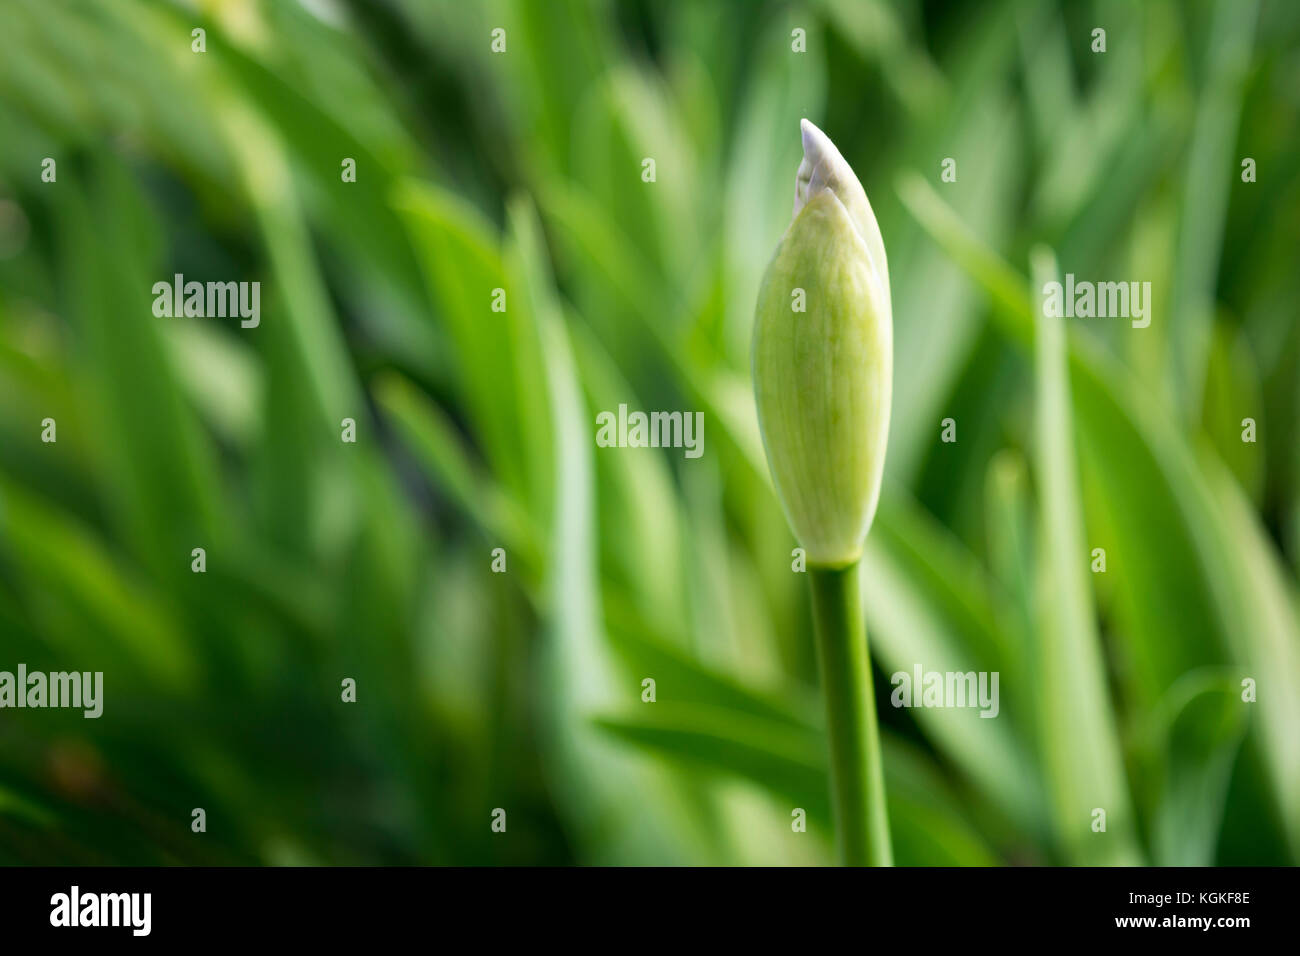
(522, 171)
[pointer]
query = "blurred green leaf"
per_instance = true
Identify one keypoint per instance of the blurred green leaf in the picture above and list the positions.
(1197, 733)
(1078, 736)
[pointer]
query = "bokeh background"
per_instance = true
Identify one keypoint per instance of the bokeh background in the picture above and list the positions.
(522, 171)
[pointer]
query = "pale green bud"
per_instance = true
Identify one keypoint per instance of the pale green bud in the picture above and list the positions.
(823, 376)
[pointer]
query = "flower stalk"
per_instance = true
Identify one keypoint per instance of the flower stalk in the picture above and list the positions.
(857, 775)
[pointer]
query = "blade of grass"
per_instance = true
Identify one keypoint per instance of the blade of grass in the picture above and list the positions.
(928, 827)
(1081, 750)
(1195, 736)
(1205, 202)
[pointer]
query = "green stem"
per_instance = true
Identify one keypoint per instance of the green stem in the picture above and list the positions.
(857, 780)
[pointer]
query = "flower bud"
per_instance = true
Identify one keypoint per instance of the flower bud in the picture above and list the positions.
(823, 358)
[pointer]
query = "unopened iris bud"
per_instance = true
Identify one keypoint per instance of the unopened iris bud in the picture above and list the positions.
(823, 358)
